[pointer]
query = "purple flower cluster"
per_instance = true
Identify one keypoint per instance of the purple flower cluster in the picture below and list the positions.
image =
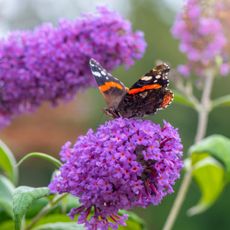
(202, 39)
(51, 64)
(125, 163)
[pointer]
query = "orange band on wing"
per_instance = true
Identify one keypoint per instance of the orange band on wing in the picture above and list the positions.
(167, 100)
(110, 84)
(146, 87)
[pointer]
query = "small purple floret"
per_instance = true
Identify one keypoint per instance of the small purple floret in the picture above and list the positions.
(124, 164)
(51, 64)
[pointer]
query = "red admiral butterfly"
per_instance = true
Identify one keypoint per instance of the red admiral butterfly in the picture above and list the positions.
(146, 96)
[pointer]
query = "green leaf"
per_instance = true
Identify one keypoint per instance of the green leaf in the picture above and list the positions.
(36, 207)
(60, 226)
(210, 161)
(49, 222)
(217, 146)
(134, 222)
(209, 176)
(64, 206)
(8, 162)
(181, 99)
(69, 202)
(6, 195)
(7, 225)
(44, 156)
(4, 216)
(53, 218)
(222, 101)
(23, 197)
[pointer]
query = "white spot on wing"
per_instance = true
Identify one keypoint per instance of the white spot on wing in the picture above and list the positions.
(146, 78)
(97, 74)
(103, 72)
(158, 77)
(166, 65)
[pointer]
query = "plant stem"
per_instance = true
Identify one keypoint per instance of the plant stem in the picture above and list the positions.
(204, 108)
(203, 113)
(45, 210)
(178, 201)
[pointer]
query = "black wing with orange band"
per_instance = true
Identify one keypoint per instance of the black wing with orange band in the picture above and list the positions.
(110, 87)
(148, 94)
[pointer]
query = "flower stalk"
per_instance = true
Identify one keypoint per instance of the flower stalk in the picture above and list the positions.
(203, 113)
(204, 107)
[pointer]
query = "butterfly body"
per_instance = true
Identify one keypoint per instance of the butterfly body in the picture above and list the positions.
(146, 96)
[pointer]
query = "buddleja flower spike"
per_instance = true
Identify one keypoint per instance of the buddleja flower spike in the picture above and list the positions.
(124, 164)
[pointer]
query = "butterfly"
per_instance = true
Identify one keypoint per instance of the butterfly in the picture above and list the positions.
(146, 96)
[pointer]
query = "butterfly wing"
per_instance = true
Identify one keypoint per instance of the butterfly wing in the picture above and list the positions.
(156, 78)
(148, 94)
(110, 87)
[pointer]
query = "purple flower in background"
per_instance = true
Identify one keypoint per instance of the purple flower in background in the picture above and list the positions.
(202, 38)
(51, 64)
(124, 164)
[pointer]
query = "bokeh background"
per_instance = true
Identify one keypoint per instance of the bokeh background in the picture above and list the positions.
(49, 128)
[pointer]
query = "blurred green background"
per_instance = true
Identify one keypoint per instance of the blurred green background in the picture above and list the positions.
(49, 128)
